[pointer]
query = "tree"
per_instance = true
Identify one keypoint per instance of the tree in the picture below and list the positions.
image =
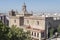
(3, 31)
(16, 33)
(51, 30)
(13, 33)
(58, 29)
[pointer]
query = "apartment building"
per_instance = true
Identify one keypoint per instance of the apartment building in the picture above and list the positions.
(4, 19)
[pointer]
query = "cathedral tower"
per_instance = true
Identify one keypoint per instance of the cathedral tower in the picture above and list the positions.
(24, 7)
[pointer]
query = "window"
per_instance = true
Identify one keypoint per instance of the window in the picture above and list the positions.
(14, 21)
(37, 34)
(32, 33)
(27, 21)
(42, 35)
(37, 22)
(21, 21)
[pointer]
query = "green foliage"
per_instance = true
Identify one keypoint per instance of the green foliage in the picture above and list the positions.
(51, 30)
(3, 31)
(58, 29)
(13, 33)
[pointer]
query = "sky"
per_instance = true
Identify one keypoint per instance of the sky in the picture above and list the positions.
(32, 5)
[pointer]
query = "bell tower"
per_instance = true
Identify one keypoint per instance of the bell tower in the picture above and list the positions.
(24, 8)
(24, 11)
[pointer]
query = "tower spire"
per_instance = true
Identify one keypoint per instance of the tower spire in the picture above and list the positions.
(24, 7)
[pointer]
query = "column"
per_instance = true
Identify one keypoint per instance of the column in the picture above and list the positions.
(39, 36)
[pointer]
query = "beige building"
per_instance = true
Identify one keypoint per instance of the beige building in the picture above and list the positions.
(38, 25)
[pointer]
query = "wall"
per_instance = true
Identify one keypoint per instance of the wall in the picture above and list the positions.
(33, 23)
(14, 21)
